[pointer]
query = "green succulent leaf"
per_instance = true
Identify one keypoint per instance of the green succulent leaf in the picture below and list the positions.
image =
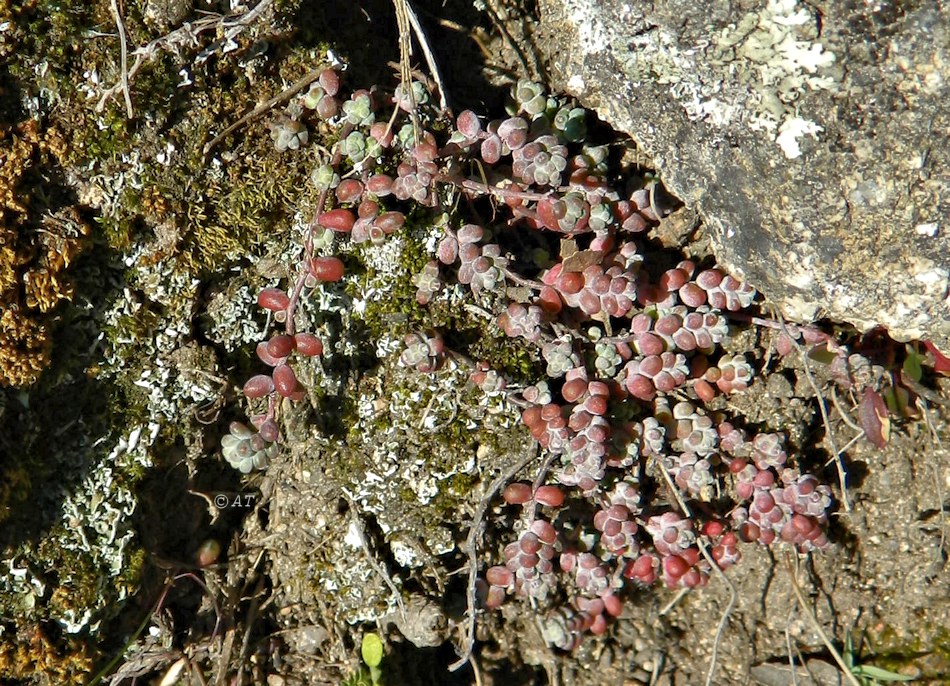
(820, 353)
(372, 650)
(912, 364)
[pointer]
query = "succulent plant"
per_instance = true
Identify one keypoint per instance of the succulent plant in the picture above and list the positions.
(246, 449)
(424, 350)
(631, 352)
(530, 97)
(289, 134)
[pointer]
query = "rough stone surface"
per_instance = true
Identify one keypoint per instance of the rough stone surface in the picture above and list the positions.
(813, 139)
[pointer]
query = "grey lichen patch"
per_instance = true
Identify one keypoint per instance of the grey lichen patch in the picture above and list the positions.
(147, 330)
(416, 431)
(417, 454)
(163, 14)
(806, 138)
(92, 435)
(89, 562)
(774, 56)
(233, 317)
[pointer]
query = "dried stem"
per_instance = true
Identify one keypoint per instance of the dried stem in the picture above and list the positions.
(842, 476)
(405, 66)
(788, 647)
(123, 58)
(498, 191)
(471, 551)
(842, 665)
(284, 95)
(845, 417)
(373, 562)
(702, 545)
(426, 52)
(180, 39)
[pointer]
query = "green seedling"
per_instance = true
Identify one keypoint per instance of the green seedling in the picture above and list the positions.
(868, 675)
(371, 651)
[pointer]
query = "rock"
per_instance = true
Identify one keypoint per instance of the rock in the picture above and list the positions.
(166, 14)
(813, 139)
(423, 622)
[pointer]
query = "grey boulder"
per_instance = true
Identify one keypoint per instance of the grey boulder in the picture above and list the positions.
(812, 139)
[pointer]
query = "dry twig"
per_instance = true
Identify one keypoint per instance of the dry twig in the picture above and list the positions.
(285, 94)
(373, 562)
(842, 665)
(405, 66)
(788, 647)
(703, 549)
(471, 551)
(178, 40)
(123, 58)
(426, 52)
(843, 413)
(842, 477)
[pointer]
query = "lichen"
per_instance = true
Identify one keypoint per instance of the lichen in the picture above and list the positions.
(407, 457)
(773, 56)
(168, 222)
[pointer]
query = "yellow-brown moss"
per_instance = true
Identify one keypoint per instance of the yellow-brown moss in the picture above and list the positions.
(24, 349)
(6, 17)
(29, 654)
(36, 247)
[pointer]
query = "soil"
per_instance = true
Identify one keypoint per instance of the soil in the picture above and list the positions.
(375, 488)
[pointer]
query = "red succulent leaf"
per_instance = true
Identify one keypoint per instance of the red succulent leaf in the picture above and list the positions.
(265, 356)
(285, 381)
(330, 81)
(517, 493)
(550, 210)
(338, 220)
(327, 268)
(259, 386)
(941, 361)
(273, 299)
(491, 149)
(308, 344)
(872, 413)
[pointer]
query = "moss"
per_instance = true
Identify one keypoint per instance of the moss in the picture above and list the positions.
(474, 336)
(52, 30)
(454, 493)
(38, 240)
(890, 648)
(77, 578)
(517, 360)
(105, 143)
(222, 213)
(130, 337)
(400, 301)
(29, 653)
(407, 495)
(16, 487)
